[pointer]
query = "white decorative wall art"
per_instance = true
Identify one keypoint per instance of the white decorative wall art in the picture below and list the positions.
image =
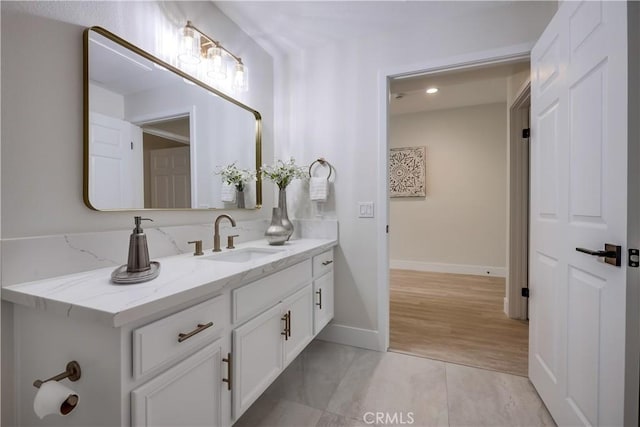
(407, 172)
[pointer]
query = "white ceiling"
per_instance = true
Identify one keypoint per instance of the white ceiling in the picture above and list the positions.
(484, 85)
(284, 27)
(288, 26)
(122, 71)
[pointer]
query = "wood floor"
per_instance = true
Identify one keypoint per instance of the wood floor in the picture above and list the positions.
(456, 318)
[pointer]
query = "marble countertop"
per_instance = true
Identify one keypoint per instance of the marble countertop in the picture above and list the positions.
(183, 278)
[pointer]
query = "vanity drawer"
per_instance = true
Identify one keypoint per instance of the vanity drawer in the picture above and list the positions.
(322, 263)
(251, 299)
(174, 336)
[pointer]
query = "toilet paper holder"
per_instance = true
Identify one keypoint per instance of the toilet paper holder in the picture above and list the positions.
(72, 372)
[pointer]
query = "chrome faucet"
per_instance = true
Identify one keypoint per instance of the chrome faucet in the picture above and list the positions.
(216, 231)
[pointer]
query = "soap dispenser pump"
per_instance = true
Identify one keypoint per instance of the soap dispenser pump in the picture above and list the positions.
(138, 250)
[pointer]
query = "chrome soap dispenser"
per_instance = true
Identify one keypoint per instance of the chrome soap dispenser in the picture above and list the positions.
(138, 268)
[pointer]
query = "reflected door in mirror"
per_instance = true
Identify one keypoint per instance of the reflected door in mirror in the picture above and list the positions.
(114, 154)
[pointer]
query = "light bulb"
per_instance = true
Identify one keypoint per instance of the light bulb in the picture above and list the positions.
(239, 77)
(190, 49)
(216, 68)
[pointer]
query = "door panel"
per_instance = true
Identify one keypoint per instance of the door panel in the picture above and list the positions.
(257, 349)
(579, 187)
(586, 107)
(170, 178)
(187, 394)
(300, 307)
(108, 157)
(323, 305)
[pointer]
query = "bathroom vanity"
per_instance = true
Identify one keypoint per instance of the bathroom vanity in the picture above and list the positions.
(195, 346)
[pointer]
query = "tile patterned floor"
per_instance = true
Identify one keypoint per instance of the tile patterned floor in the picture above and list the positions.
(335, 385)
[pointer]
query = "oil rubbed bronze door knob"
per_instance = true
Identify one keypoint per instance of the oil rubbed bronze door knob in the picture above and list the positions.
(612, 254)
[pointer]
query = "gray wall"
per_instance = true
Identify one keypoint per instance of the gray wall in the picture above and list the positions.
(462, 220)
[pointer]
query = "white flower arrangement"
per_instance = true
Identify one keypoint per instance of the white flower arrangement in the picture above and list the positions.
(235, 176)
(283, 173)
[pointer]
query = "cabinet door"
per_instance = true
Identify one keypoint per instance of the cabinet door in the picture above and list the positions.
(257, 353)
(187, 394)
(323, 303)
(299, 308)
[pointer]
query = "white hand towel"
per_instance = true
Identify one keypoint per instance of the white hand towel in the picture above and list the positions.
(228, 194)
(318, 189)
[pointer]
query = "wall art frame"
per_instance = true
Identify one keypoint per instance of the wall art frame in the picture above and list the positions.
(407, 172)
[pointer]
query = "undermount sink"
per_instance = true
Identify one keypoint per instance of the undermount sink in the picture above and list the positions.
(242, 255)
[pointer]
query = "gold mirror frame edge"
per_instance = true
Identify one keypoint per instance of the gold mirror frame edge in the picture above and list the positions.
(85, 88)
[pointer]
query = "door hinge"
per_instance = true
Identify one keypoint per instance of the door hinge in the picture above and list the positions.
(525, 292)
(387, 229)
(132, 145)
(634, 258)
(526, 133)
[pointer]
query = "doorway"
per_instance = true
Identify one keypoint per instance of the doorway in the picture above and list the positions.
(167, 163)
(450, 276)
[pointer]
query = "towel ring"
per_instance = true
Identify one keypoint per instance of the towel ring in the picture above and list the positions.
(322, 162)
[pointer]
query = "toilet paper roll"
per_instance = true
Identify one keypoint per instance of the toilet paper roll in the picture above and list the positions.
(54, 398)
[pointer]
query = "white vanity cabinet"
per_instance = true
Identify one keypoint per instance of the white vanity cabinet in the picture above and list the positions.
(195, 391)
(202, 359)
(186, 394)
(322, 290)
(299, 311)
(266, 344)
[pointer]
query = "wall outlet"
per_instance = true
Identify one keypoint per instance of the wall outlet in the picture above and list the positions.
(365, 210)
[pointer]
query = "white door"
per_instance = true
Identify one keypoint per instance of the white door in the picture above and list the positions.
(299, 308)
(115, 156)
(578, 199)
(189, 394)
(323, 304)
(257, 353)
(170, 178)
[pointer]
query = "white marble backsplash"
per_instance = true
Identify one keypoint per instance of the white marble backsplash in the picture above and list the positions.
(34, 258)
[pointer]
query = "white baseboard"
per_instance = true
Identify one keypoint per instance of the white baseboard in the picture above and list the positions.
(348, 335)
(477, 270)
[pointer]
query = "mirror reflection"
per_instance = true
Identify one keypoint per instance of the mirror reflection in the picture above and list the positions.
(155, 139)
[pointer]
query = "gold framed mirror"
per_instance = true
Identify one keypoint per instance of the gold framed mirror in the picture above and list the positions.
(156, 137)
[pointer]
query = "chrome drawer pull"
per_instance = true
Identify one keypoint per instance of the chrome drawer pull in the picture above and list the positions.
(327, 262)
(201, 327)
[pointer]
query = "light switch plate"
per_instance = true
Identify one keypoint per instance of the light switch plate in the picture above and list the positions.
(365, 209)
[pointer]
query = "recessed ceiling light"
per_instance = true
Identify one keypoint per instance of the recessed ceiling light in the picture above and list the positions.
(432, 90)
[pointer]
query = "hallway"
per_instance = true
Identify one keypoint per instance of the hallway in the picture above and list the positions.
(456, 318)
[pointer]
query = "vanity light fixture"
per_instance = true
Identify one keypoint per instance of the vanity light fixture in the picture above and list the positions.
(432, 90)
(212, 57)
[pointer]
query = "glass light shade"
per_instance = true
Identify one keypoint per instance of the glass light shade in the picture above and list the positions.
(190, 46)
(240, 82)
(216, 67)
